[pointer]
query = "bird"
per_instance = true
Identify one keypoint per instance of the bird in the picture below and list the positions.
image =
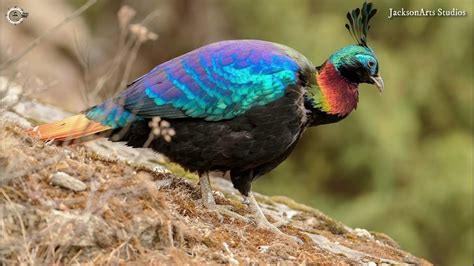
(238, 107)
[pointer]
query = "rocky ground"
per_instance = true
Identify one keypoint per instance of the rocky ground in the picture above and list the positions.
(102, 202)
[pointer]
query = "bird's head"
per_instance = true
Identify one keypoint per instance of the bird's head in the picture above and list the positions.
(338, 78)
(358, 64)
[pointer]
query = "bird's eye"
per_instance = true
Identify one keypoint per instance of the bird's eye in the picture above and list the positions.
(370, 63)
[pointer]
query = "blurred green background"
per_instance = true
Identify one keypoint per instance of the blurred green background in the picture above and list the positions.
(401, 164)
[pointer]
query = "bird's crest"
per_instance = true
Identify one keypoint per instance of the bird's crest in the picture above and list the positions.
(358, 25)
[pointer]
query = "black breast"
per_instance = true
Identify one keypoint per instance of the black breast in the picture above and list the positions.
(248, 146)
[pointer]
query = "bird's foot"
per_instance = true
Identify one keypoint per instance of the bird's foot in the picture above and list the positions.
(262, 221)
(226, 210)
(209, 202)
(265, 224)
(280, 223)
(277, 224)
(246, 201)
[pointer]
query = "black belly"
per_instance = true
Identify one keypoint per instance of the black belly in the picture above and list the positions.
(248, 146)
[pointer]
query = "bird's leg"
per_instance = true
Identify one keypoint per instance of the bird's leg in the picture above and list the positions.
(210, 203)
(246, 201)
(206, 191)
(262, 221)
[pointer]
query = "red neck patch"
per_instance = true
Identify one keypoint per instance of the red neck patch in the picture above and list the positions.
(339, 96)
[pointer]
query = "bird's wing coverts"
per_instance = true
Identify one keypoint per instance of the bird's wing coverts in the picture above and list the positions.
(216, 82)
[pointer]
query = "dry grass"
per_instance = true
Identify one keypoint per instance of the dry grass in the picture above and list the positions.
(131, 214)
(126, 214)
(113, 75)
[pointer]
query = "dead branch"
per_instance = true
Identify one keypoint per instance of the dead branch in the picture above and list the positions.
(40, 38)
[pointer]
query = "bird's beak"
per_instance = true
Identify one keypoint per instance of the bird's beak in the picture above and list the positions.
(378, 81)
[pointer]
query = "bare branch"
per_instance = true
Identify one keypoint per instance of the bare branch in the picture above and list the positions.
(40, 38)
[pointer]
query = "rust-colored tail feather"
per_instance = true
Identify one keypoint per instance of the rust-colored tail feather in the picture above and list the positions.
(73, 127)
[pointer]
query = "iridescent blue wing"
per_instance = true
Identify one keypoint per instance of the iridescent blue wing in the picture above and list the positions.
(216, 82)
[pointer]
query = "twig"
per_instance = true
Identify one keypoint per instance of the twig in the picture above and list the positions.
(150, 17)
(130, 49)
(128, 66)
(84, 61)
(134, 51)
(40, 38)
(114, 66)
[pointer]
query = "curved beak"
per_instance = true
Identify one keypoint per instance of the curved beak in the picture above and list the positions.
(378, 81)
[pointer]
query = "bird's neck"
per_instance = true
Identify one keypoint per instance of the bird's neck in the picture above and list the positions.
(333, 94)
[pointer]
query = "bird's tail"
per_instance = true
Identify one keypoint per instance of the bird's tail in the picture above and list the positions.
(70, 128)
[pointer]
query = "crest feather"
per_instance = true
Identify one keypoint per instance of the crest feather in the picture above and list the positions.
(358, 25)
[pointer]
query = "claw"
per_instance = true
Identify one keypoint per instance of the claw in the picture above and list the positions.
(223, 210)
(259, 218)
(262, 221)
(281, 223)
(209, 202)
